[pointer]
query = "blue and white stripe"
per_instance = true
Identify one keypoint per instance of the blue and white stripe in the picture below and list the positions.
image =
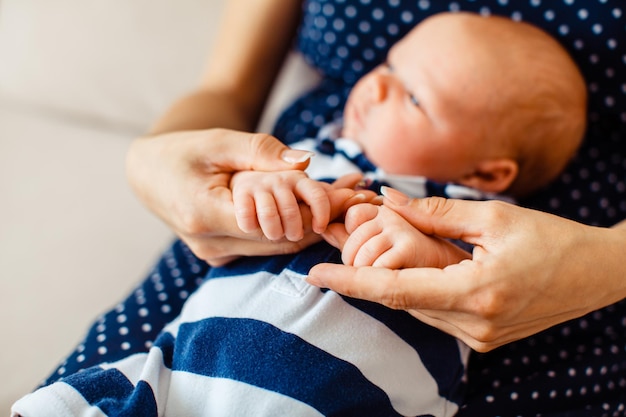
(260, 343)
(256, 339)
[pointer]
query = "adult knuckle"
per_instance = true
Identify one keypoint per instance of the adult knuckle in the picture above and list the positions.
(436, 205)
(480, 346)
(209, 254)
(190, 222)
(489, 304)
(484, 334)
(495, 212)
(392, 296)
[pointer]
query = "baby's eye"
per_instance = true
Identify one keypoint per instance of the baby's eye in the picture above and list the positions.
(414, 101)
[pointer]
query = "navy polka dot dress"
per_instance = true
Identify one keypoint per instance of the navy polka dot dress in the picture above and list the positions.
(575, 369)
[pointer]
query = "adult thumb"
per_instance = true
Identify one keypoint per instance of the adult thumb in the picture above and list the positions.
(266, 153)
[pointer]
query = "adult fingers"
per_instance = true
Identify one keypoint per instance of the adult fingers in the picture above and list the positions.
(404, 289)
(220, 250)
(451, 218)
(452, 328)
(263, 152)
(427, 293)
(223, 150)
(479, 333)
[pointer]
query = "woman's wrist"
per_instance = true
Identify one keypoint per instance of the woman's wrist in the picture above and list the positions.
(201, 110)
(604, 260)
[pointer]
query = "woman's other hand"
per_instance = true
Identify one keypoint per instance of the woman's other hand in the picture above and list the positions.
(184, 178)
(529, 271)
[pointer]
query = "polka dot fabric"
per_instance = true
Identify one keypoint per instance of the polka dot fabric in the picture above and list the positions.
(579, 368)
(133, 325)
(576, 369)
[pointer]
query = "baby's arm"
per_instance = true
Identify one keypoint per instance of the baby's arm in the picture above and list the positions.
(381, 237)
(270, 201)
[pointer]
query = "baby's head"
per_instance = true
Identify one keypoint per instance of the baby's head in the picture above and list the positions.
(481, 101)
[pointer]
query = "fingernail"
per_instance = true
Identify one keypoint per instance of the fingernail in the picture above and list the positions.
(395, 196)
(295, 156)
(364, 184)
(313, 281)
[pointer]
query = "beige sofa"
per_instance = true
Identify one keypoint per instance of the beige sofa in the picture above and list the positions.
(78, 80)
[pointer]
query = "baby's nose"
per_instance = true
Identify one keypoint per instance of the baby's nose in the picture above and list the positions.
(378, 88)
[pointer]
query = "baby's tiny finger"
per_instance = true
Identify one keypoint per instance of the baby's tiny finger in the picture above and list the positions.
(357, 239)
(245, 213)
(369, 253)
(315, 195)
(268, 215)
(289, 212)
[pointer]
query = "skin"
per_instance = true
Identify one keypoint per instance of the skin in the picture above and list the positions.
(181, 170)
(164, 170)
(380, 237)
(409, 103)
(272, 202)
(432, 108)
(202, 169)
(529, 270)
(417, 102)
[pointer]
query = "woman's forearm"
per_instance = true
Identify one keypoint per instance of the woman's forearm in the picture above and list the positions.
(252, 43)
(203, 109)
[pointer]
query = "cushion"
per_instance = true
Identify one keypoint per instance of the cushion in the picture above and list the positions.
(119, 62)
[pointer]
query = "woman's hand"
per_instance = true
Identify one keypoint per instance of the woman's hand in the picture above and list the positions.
(184, 178)
(529, 271)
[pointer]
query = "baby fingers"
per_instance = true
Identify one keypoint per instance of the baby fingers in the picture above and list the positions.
(315, 195)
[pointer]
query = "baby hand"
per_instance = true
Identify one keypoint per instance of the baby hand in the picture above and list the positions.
(378, 236)
(270, 201)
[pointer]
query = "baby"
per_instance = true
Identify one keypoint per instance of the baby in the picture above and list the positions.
(479, 105)
(497, 107)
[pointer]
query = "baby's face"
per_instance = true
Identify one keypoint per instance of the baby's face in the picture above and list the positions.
(413, 114)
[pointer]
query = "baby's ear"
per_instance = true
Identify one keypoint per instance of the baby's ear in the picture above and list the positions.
(492, 175)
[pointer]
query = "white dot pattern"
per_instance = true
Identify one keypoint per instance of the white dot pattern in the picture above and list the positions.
(591, 30)
(133, 325)
(575, 369)
(579, 367)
